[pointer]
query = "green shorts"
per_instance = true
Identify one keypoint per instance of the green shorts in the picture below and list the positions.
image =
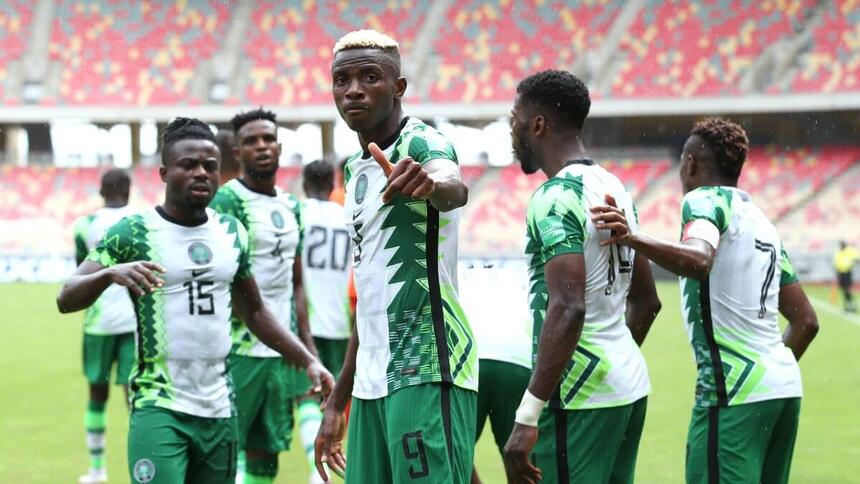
(422, 433)
(598, 445)
(264, 404)
(168, 447)
(332, 353)
(752, 442)
(100, 352)
(499, 395)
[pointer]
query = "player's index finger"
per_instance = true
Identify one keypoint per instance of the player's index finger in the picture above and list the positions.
(610, 200)
(380, 158)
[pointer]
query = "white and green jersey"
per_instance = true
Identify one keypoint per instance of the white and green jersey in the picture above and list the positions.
(496, 302)
(112, 312)
(731, 317)
(410, 325)
(273, 223)
(183, 328)
(326, 268)
(607, 369)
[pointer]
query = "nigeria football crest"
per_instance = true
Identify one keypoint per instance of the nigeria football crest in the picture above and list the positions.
(200, 253)
(278, 219)
(144, 470)
(360, 188)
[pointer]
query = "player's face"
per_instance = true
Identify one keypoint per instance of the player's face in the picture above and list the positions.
(191, 173)
(365, 87)
(522, 148)
(258, 148)
(685, 172)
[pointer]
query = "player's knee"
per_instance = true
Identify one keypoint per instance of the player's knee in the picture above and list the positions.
(99, 393)
(261, 463)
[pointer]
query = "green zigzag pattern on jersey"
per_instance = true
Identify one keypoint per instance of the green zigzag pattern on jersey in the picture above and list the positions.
(706, 386)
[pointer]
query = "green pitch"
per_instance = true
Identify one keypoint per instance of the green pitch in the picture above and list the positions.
(44, 393)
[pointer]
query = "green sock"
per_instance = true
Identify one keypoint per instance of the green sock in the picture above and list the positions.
(94, 424)
(261, 471)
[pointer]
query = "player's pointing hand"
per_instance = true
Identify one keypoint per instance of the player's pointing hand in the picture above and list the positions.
(407, 177)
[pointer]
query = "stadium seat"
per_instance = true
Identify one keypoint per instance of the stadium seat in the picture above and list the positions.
(16, 17)
(138, 53)
(833, 62)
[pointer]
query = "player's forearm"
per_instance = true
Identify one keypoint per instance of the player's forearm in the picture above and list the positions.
(450, 191)
(343, 388)
(640, 316)
(679, 258)
(304, 327)
(559, 336)
(264, 326)
(81, 291)
(802, 321)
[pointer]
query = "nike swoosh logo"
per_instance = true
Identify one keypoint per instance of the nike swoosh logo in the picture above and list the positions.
(199, 272)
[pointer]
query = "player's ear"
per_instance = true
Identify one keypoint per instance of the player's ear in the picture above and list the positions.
(162, 172)
(400, 87)
(539, 125)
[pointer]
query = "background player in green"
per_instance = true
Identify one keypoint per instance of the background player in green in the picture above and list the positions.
(735, 279)
(108, 323)
(326, 273)
(186, 266)
(262, 380)
(592, 305)
(411, 365)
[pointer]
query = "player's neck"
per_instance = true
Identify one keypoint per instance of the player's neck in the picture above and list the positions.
(385, 133)
(556, 156)
(264, 185)
(115, 203)
(183, 215)
(324, 196)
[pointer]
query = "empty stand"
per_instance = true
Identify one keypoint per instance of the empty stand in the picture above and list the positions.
(16, 17)
(833, 63)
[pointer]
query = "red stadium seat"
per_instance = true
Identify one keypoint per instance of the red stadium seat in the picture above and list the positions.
(16, 17)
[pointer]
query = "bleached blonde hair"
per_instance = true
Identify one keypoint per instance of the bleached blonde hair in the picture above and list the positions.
(365, 39)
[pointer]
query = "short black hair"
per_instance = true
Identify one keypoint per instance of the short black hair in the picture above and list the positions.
(727, 141)
(560, 92)
(319, 175)
(115, 182)
(242, 119)
(181, 129)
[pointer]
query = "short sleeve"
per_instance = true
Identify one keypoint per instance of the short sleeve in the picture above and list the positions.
(556, 219)
(429, 144)
(81, 229)
(787, 273)
(706, 204)
(228, 202)
(117, 246)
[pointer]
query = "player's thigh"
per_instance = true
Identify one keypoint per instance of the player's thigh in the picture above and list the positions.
(98, 351)
(248, 376)
(580, 445)
(510, 382)
(780, 450)
(431, 433)
(213, 452)
(728, 444)
(124, 354)
(272, 429)
(625, 462)
(367, 446)
(158, 446)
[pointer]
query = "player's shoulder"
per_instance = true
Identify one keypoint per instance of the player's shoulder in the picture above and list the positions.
(713, 203)
(563, 192)
(423, 142)
(83, 222)
(227, 192)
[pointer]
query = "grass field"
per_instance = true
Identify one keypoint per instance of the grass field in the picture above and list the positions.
(44, 394)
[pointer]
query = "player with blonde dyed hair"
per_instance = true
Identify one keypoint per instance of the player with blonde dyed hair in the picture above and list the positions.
(413, 376)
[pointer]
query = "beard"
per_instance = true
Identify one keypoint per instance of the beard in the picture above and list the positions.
(261, 174)
(524, 153)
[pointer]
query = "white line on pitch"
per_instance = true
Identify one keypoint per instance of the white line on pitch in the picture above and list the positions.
(834, 310)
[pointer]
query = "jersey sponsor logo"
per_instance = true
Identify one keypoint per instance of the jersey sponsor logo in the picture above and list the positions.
(144, 470)
(200, 253)
(278, 219)
(360, 188)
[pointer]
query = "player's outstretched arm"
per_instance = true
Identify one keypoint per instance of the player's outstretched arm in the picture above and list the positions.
(328, 446)
(643, 303)
(802, 321)
(91, 279)
(248, 305)
(692, 257)
(304, 327)
(437, 180)
(562, 327)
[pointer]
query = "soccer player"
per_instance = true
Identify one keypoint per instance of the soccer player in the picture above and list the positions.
(414, 377)
(735, 278)
(108, 324)
(843, 261)
(185, 266)
(592, 304)
(495, 302)
(326, 274)
(262, 381)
